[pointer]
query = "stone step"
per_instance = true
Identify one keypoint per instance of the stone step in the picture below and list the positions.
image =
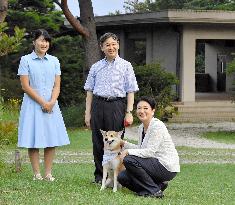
(201, 120)
(205, 104)
(204, 111)
(205, 114)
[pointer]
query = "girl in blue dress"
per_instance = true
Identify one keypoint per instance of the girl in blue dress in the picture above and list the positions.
(41, 123)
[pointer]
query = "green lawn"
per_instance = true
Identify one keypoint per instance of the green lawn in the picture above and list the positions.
(221, 136)
(198, 182)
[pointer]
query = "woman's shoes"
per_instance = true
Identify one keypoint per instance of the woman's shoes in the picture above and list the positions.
(37, 177)
(158, 194)
(163, 185)
(49, 178)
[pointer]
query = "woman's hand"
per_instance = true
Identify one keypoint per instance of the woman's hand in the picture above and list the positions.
(123, 154)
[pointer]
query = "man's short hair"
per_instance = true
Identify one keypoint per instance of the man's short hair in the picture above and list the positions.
(105, 36)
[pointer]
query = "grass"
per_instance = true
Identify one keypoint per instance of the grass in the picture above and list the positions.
(196, 184)
(203, 179)
(207, 183)
(221, 136)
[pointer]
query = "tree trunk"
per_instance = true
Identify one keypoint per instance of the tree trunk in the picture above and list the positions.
(3, 9)
(87, 29)
(92, 50)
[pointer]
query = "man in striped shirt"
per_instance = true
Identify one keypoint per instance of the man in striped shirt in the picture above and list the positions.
(110, 86)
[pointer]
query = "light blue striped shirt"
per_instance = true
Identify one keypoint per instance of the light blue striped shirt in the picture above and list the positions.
(111, 79)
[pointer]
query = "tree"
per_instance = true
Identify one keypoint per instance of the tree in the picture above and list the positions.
(35, 14)
(87, 28)
(135, 6)
(3, 9)
(8, 43)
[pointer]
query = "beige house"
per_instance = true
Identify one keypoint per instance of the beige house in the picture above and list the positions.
(172, 36)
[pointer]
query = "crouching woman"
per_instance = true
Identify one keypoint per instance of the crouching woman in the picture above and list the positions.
(152, 163)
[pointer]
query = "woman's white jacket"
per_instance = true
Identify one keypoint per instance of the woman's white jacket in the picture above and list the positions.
(158, 144)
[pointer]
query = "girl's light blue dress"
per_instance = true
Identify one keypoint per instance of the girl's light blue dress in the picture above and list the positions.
(36, 128)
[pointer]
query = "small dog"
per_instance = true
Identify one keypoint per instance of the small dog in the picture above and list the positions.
(112, 164)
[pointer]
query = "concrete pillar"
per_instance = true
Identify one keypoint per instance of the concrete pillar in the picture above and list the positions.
(187, 88)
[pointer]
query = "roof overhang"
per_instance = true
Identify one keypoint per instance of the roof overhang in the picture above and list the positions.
(169, 16)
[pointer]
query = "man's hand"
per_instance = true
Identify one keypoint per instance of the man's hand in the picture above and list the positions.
(128, 119)
(88, 119)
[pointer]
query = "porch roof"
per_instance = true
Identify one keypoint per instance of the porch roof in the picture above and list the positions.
(169, 16)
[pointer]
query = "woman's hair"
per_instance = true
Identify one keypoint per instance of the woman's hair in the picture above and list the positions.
(41, 32)
(105, 36)
(150, 100)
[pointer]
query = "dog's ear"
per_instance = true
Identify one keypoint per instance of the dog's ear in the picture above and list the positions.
(103, 132)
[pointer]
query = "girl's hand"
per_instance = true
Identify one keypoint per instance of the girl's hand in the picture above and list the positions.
(47, 107)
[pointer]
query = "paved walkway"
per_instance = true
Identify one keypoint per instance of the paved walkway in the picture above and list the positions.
(189, 134)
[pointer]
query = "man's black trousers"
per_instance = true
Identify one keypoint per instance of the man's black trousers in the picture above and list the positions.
(105, 115)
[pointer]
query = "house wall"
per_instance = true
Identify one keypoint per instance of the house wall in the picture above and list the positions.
(190, 34)
(165, 47)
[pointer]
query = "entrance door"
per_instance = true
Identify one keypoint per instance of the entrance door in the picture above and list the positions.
(221, 73)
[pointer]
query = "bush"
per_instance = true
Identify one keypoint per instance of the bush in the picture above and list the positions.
(156, 82)
(8, 121)
(74, 115)
(10, 88)
(231, 71)
(72, 63)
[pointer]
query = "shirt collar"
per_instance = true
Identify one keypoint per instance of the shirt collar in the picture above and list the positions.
(35, 56)
(113, 61)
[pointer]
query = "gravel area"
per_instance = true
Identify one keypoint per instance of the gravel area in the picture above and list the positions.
(189, 134)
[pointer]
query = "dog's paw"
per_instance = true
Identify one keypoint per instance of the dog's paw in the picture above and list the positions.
(102, 188)
(114, 189)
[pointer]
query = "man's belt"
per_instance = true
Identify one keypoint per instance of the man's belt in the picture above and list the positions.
(108, 99)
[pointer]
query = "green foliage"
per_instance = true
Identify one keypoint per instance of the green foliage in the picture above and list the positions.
(200, 63)
(134, 6)
(156, 82)
(70, 52)
(231, 67)
(74, 115)
(230, 70)
(8, 133)
(9, 44)
(10, 88)
(8, 121)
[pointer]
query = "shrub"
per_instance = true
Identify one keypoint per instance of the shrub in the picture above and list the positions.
(74, 115)
(156, 82)
(231, 71)
(8, 133)
(10, 88)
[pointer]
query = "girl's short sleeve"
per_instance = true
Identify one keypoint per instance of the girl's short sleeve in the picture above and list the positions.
(23, 67)
(57, 67)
